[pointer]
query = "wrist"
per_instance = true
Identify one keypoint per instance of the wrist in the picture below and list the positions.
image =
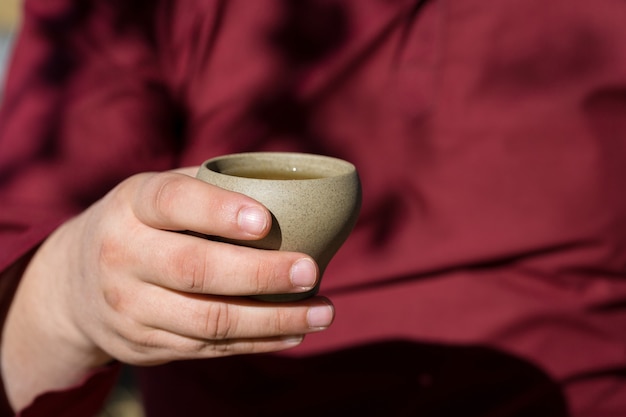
(41, 348)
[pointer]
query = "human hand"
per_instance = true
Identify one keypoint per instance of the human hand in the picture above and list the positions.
(119, 282)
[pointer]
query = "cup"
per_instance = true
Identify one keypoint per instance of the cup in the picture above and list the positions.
(314, 201)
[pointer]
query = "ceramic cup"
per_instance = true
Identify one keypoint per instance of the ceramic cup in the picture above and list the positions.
(314, 201)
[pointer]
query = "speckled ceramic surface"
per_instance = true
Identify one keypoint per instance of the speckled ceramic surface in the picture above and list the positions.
(313, 213)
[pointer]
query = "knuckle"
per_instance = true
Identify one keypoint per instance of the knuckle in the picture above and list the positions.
(219, 322)
(145, 351)
(205, 348)
(221, 348)
(193, 271)
(280, 323)
(144, 342)
(261, 281)
(114, 299)
(111, 252)
(149, 347)
(265, 278)
(191, 348)
(135, 341)
(166, 194)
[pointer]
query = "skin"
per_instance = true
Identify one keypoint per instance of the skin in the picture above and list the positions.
(118, 283)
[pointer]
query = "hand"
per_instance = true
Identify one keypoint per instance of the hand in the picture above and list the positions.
(120, 282)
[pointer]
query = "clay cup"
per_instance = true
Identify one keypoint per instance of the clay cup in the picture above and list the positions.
(314, 201)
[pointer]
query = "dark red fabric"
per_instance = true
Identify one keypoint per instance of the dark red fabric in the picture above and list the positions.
(490, 137)
(84, 400)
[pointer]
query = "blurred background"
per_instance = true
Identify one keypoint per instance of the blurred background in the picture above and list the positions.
(9, 19)
(123, 401)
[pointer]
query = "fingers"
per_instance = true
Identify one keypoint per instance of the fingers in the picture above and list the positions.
(162, 347)
(175, 201)
(167, 326)
(165, 295)
(212, 318)
(194, 265)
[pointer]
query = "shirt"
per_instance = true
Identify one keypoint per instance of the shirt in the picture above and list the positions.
(486, 273)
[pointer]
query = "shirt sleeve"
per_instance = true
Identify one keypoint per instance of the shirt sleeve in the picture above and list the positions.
(85, 106)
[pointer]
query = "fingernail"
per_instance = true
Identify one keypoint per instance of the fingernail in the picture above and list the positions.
(304, 273)
(253, 220)
(293, 340)
(320, 317)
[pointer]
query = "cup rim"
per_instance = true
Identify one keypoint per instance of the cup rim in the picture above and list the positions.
(324, 166)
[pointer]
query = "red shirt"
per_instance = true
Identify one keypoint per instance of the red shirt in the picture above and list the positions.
(487, 271)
